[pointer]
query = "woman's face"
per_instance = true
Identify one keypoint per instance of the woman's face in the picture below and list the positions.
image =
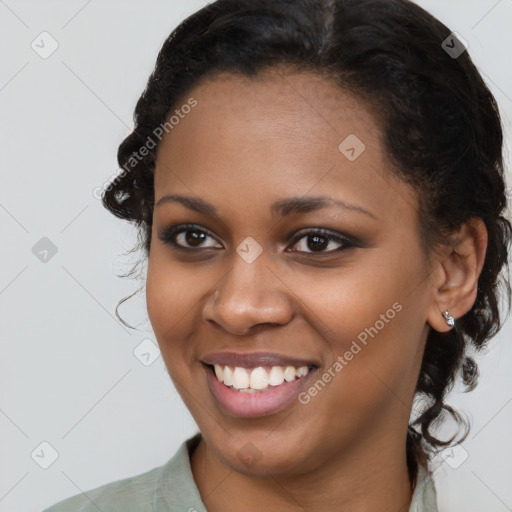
(254, 282)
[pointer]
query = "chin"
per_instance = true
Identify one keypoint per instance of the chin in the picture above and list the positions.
(259, 456)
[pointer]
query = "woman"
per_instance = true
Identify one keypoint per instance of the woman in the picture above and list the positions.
(320, 193)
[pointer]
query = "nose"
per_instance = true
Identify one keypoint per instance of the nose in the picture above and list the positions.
(249, 297)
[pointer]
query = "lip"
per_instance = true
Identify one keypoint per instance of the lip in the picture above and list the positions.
(255, 359)
(254, 405)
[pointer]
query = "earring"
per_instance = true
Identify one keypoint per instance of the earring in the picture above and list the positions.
(449, 318)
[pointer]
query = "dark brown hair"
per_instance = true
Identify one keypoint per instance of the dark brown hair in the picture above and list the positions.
(441, 127)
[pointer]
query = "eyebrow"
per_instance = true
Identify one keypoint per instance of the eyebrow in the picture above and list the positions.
(282, 207)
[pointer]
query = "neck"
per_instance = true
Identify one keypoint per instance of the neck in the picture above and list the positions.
(368, 477)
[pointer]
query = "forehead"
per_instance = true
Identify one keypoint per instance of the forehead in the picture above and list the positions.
(257, 140)
(279, 103)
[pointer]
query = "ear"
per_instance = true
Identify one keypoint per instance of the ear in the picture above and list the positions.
(456, 273)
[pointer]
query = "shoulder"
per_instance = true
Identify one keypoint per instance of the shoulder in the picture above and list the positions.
(164, 488)
(129, 494)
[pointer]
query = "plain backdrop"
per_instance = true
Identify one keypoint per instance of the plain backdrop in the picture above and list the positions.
(70, 377)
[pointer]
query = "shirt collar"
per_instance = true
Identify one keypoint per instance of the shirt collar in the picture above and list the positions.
(177, 474)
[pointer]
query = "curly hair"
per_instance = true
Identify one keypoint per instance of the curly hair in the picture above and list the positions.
(441, 126)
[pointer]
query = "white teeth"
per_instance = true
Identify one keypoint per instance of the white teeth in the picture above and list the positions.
(276, 376)
(289, 373)
(240, 378)
(219, 372)
(228, 376)
(257, 379)
(300, 372)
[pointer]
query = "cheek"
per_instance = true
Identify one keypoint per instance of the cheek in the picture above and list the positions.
(172, 290)
(175, 297)
(161, 297)
(347, 302)
(373, 326)
(169, 300)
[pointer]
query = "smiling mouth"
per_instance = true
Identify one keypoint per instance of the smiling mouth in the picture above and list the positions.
(259, 379)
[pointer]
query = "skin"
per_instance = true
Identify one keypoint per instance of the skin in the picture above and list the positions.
(248, 143)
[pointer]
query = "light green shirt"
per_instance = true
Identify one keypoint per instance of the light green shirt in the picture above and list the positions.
(171, 488)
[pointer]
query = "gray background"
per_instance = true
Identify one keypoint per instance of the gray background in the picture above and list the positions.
(68, 372)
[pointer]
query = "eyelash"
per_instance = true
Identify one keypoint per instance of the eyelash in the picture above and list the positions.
(169, 235)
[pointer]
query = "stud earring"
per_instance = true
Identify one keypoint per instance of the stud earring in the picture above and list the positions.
(449, 318)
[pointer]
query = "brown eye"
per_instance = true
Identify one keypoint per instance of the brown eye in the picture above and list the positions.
(186, 237)
(319, 240)
(194, 238)
(190, 237)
